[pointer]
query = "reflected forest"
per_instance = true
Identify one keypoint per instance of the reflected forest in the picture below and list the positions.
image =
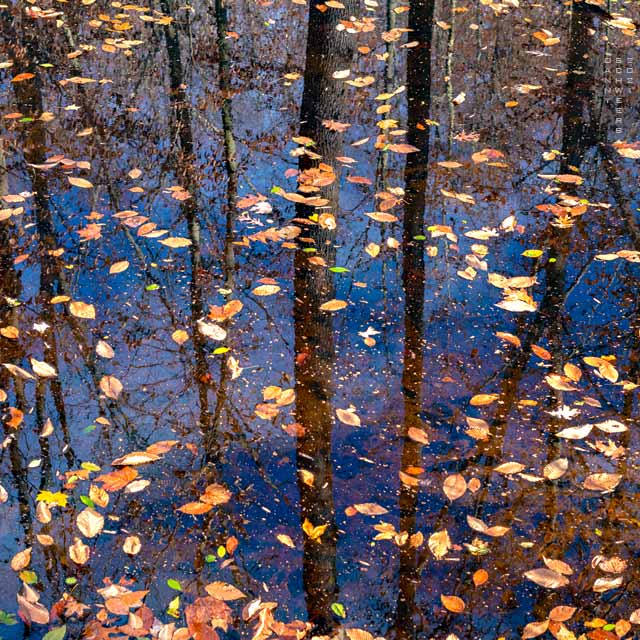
(319, 319)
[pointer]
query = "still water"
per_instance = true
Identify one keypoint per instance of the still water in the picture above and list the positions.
(319, 319)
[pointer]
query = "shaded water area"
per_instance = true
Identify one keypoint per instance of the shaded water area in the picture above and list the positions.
(319, 319)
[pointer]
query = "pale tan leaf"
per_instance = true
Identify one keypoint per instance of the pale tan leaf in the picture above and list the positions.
(348, 417)
(82, 310)
(224, 591)
(111, 387)
(42, 369)
(454, 486)
(90, 522)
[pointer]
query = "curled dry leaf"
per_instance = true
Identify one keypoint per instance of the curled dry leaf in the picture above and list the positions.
(132, 545)
(32, 610)
(452, 603)
(79, 182)
(606, 584)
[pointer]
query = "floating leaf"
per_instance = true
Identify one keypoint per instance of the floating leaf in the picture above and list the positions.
(454, 486)
(90, 522)
(452, 603)
(547, 578)
(333, 305)
(111, 387)
(224, 591)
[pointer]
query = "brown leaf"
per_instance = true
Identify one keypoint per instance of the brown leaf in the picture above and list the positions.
(509, 468)
(370, 509)
(82, 310)
(131, 545)
(224, 591)
(480, 577)
(602, 481)
(547, 578)
(195, 508)
(90, 522)
(333, 305)
(79, 182)
(79, 552)
(111, 387)
(117, 479)
(562, 613)
(556, 469)
(454, 486)
(558, 566)
(266, 290)
(452, 603)
(348, 417)
(21, 560)
(483, 399)
(535, 629)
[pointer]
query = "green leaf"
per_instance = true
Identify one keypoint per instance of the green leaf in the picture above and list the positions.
(210, 558)
(174, 607)
(174, 584)
(309, 250)
(90, 428)
(419, 237)
(338, 609)
(532, 253)
(219, 350)
(70, 580)
(88, 501)
(609, 627)
(7, 618)
(338, 269)
(58, 633)
(152, 287)
(89, 466)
